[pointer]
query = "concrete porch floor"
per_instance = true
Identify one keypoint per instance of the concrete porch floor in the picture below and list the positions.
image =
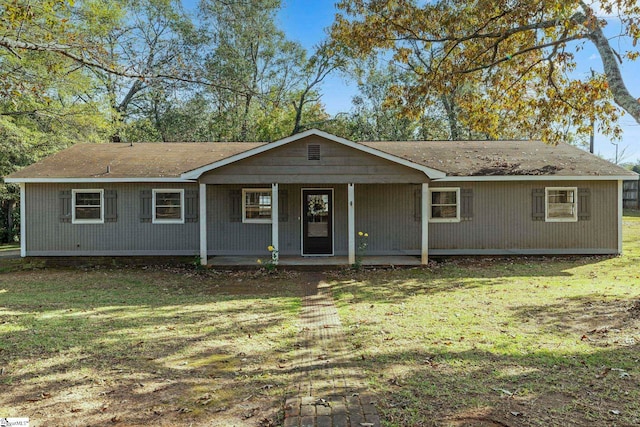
(293, 261)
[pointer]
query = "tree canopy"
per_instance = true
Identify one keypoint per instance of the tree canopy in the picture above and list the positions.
(505, 60)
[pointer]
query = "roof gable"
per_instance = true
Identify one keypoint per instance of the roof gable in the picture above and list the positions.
(430, 172)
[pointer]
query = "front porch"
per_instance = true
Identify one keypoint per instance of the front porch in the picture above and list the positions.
(396, 217)
(300, 261)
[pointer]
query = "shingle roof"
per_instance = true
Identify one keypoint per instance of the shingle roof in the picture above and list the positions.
(455, 158)
(482, 158)
(144, 160)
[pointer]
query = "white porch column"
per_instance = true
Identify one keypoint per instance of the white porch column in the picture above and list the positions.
(351, 223)
(23, 222)
(203, 224)
(274, 222)
(424, 215)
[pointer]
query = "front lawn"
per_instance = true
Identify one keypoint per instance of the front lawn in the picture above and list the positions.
(495, 342)
(144, 346)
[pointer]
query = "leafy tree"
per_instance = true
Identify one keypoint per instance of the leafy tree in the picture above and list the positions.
(520, 53)
(252, 59)
(323, 62)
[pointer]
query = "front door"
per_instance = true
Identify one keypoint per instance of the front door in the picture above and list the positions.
(317, 222)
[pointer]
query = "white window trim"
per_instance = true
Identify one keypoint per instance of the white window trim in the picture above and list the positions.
(73, 206)
(153, 206)
(440, 190)
(574, 218)
(244, 206)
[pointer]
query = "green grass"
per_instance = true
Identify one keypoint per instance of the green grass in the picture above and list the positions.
(487, 341)
(169, 344)
(553, 340)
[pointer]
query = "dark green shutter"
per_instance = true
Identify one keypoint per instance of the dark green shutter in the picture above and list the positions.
(538, 208)
(235, 205)
(584, 204)
(110, 206)
(191, 205)
(283, 206)
(417, 204)
(466, 204)
(145, 206)
(65, 205)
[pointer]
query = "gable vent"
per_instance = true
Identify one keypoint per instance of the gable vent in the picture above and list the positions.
(313, 152)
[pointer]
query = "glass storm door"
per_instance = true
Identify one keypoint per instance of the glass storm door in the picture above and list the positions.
(317, 222)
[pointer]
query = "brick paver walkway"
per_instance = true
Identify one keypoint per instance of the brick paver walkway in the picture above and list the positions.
(329, 390)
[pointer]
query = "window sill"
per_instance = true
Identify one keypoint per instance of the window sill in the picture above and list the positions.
(168, 221)
(257, 221)
(444, 220)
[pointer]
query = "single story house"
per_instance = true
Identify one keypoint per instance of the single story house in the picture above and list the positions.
(310, 194)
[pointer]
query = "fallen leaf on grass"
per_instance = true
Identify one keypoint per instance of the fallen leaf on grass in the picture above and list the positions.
(504, 391)
(250, 413)
(604, 373)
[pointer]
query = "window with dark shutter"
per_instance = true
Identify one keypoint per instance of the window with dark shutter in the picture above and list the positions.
(283, 206)
(191, 206)
(584, 204)
(417, 205)
(65, 205)
(87, 206)
(235, 205)
(313, 152)
(145, 206)
(168, 206)
(466, 204)
(537, 204)
(110, 206)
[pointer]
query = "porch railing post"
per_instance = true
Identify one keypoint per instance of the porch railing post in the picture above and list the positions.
(274, 223)
(351, 228)
(424, 215)
(203, 224)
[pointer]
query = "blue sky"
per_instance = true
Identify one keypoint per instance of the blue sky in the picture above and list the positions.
(306, 21)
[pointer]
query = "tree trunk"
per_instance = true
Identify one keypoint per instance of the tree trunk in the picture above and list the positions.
(618, 89)
(449, 107)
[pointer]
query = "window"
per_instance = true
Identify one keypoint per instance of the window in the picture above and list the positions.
(561, 204)
(445, 205)
(88, 206)
(168, 206)
(256, 205)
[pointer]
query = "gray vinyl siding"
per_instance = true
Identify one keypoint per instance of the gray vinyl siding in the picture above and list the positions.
(225, 237)
(46, 235)
(289, 164)
(502, 222)
(386, 214)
